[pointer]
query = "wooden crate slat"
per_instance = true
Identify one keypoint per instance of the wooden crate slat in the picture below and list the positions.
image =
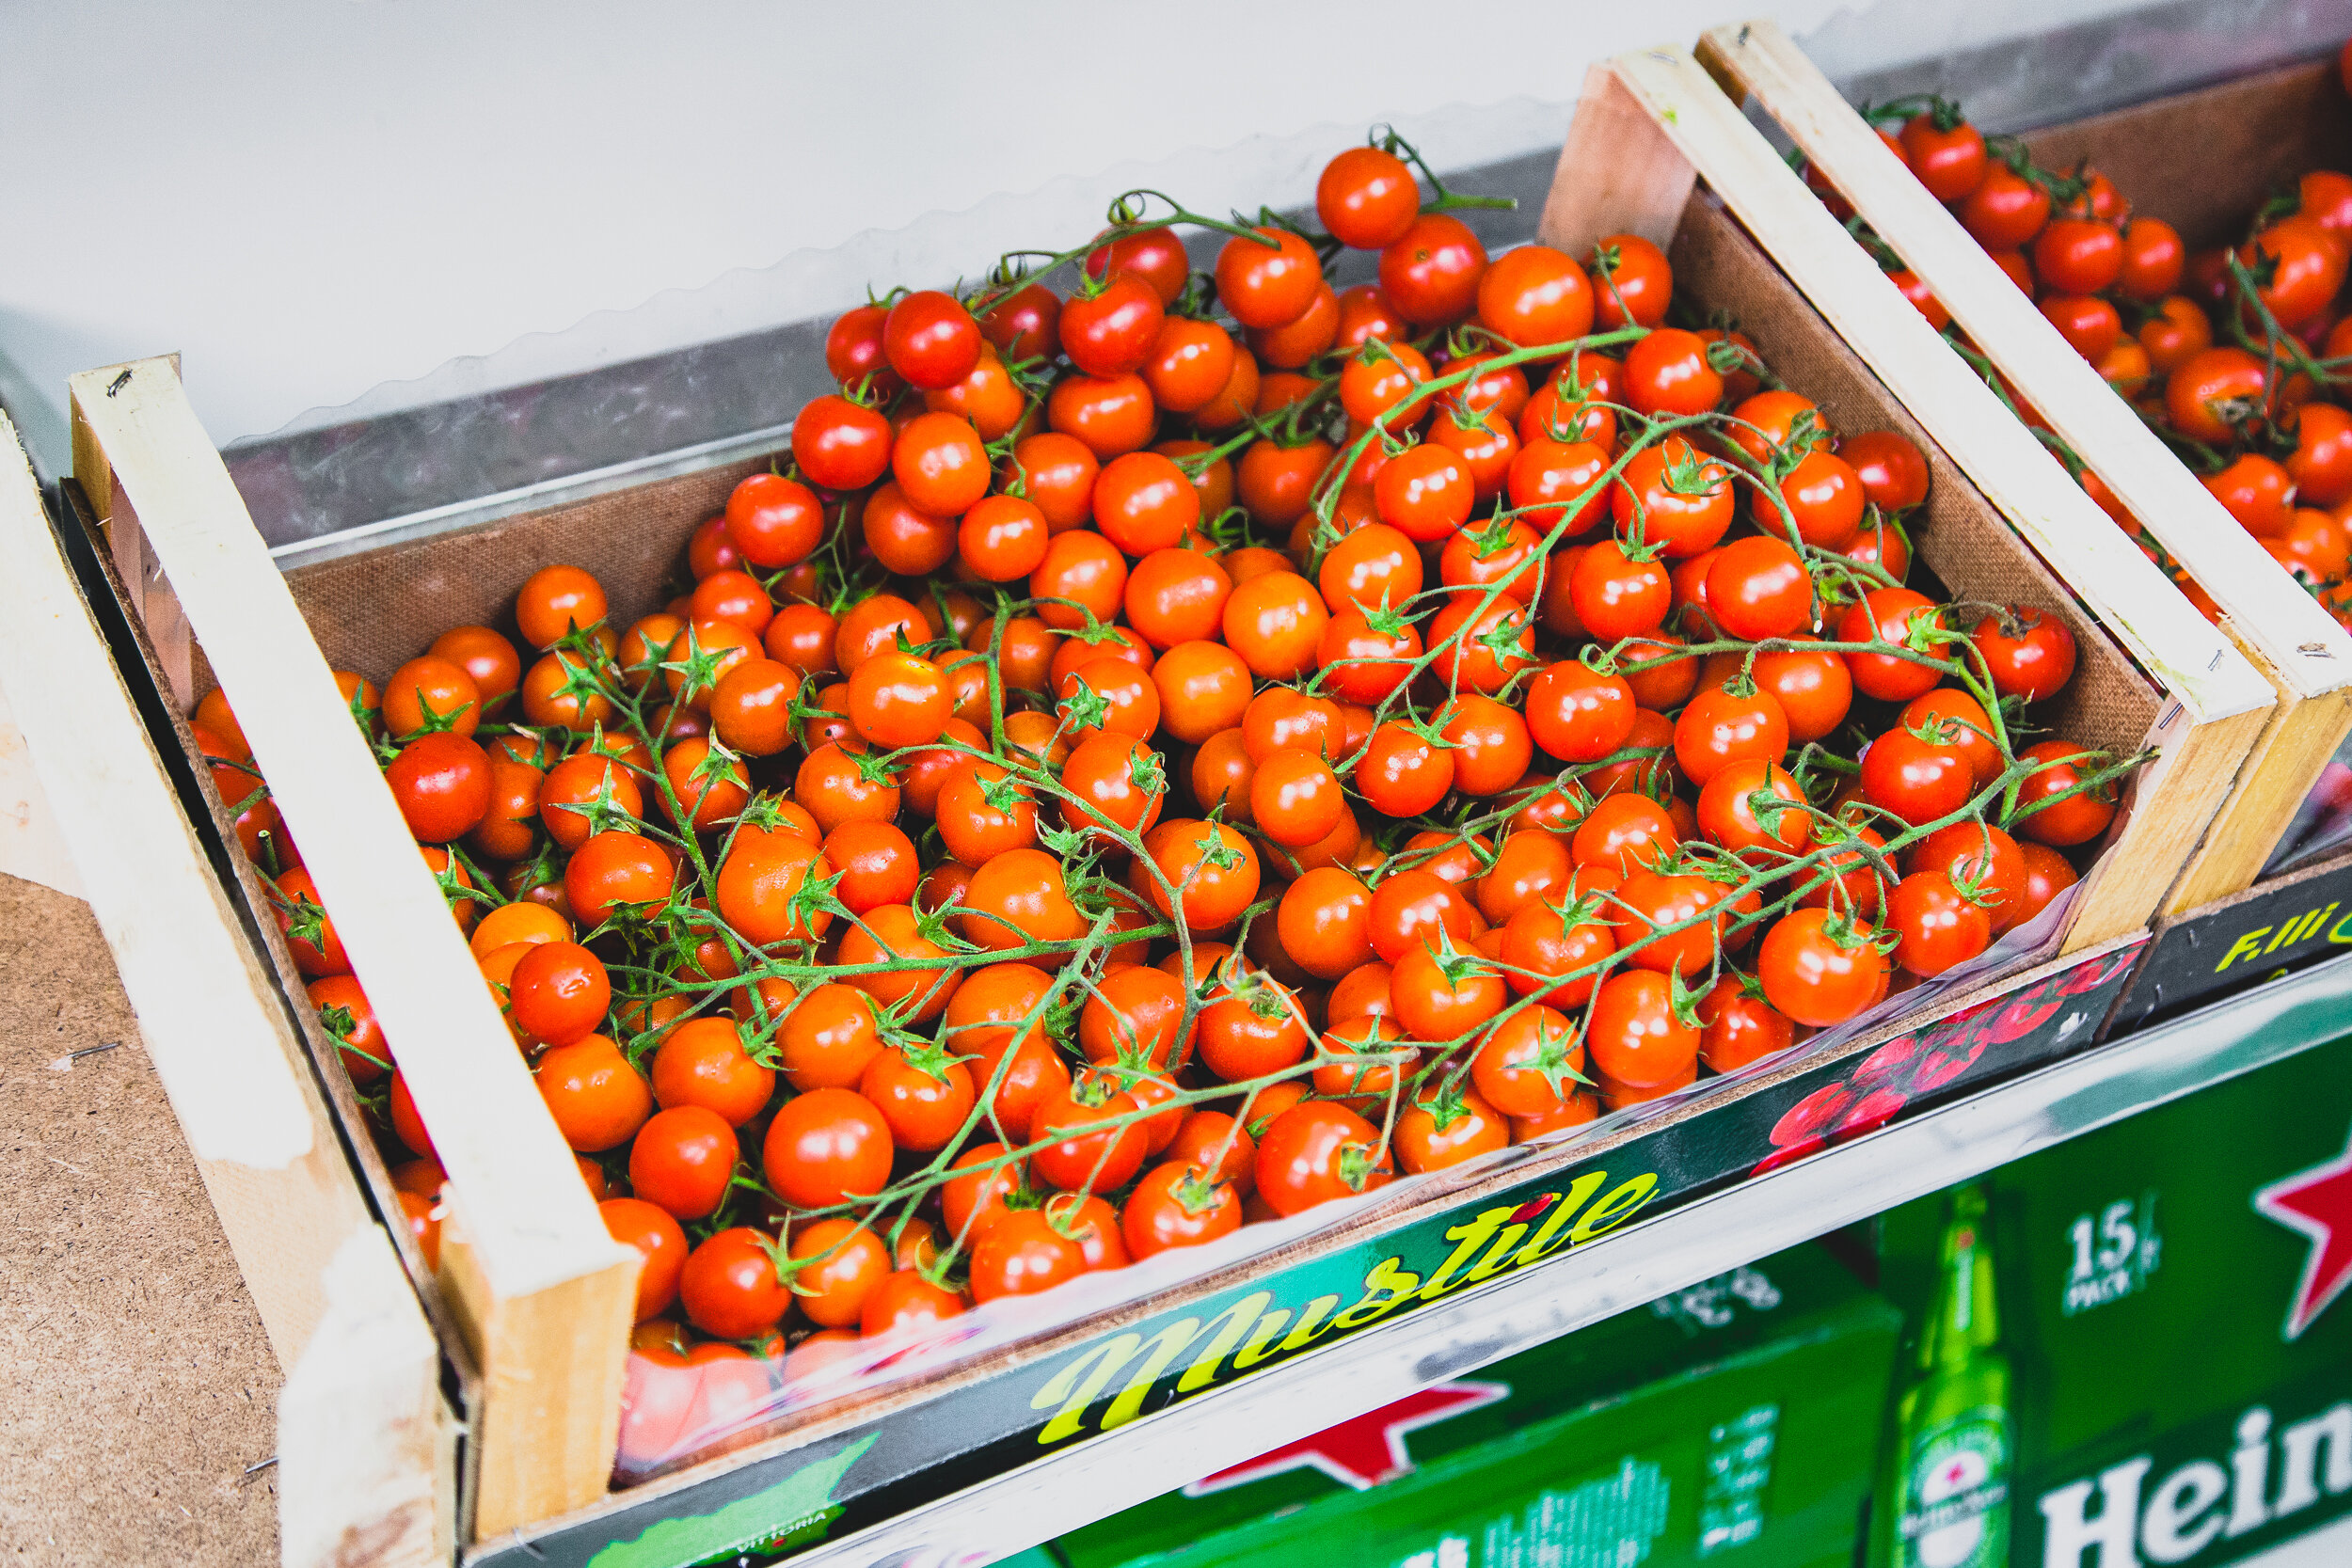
(2300, 647)
(518, 1212)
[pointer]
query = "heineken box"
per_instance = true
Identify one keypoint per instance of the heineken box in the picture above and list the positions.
(2130, 1349)
(1730, 1423)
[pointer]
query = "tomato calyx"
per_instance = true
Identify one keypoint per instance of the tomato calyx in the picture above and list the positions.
(1588, 909)
(1635, 546)
(1975, 884)
(435, 721)
(1853, 934)
(2015, 620)
(457, 890)
(1446, 1107)
(1942, 113)
(816, 897)
(1093, 1088)
(1216, 852)
(1357, 1164)
(1936, 729)
(1769, 805)
(872, 766)
(1063, 1211)
(1064, 843)
(1452, 963)
(341, 1025)
(763, 812)
(926, 1057)
(1684, 1000)
(1083, 707)
(1505, 638)
(1264, 996)
(699, 669)
(306, 917)
(1727, 357)
(1551, 1060)
(931, 926)
(1005, 794)
(1196, 1193)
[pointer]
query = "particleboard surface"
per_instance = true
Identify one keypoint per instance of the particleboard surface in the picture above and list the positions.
(141, 1383)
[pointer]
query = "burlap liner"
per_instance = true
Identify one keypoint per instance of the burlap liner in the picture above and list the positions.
(2205, 161)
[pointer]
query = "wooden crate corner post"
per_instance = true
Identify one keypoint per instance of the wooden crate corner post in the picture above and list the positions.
(365, 1441)
(541, 1288)
(2289, 638)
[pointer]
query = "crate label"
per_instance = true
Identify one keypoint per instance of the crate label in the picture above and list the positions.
(2299, 922)
(982, 1431)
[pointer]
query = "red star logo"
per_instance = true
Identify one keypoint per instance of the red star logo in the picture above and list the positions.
(2317, 1202)
(1365, 1451)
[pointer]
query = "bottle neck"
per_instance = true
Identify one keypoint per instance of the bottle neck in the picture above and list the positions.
(1965, 1321)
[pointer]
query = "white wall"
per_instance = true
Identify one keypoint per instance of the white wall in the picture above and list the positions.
(312, 201)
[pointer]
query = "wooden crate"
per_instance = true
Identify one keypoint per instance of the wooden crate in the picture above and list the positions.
(2174, 159)
(532, 1290)
(364, 1436)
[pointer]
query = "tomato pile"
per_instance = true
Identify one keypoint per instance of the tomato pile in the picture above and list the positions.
(1170, 749)
(2236, 355)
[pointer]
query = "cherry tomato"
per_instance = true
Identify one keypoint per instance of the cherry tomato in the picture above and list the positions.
(1089, 1138)
(1946, 152)
(1367, 199)
(1267, 280)
(597, 1097)
(1109, 329)
(1632, 282)
(1635, 1035)
(825, 1147)
(1447, 1129)
(2078, 817)
(1896, 617)
(1316, 1152)
(660, 1242)
(1916, 779)
(1175, 1205)
(1935, 924)
(1432, 271)
(840, 444)
(683, 1159)
(1739, 1028)
(930, 340)
(2029, 654)
(1533, 295)
(2214, 392)
(1818, 968)
(1022, 1255)
(1717, 729)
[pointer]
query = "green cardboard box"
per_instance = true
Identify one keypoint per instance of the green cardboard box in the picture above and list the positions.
(2168, 1299)
(1729, 1424)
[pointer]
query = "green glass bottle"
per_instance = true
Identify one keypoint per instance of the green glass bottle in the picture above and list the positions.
(1945, 1499)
